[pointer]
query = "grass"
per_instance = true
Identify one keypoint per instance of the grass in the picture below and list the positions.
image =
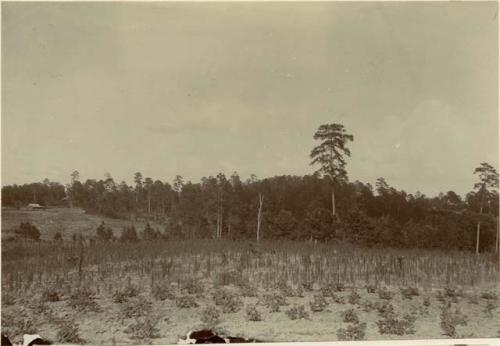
(184, 277)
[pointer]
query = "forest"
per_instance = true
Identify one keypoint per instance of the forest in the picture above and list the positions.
(287, 207)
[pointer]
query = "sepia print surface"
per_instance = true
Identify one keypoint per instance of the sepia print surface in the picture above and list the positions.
(249, 172)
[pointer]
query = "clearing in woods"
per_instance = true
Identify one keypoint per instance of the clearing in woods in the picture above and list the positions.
(129, 293)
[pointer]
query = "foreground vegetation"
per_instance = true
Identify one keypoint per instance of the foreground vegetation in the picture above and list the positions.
(160, 290)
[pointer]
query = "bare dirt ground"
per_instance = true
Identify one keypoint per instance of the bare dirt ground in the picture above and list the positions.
(109, 325)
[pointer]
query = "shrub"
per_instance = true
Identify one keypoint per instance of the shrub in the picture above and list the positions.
(427, 302)
(129, 234)
(368, 306)
(122, 296)
(253, 314)
(397, 326)
(330, 289)
(451, 319)
(350, 316)
(307, 286)
(27, 231)
(57, 237)
(161, 292)
(489, 295)
(384, 309)
(318, 303)
(18, 323)
(8, 298)
(297, 312)
(103, 233)
(68, 333)
(193, 286)
(371, 289)
(149, 233)
(210, 316)
(299, 292)
(385, 294)
(285, 290)
(144, 329)
(355, 331)
(450, 294)
(136, 308)
(50, 295)
(409, 292)
(354, 298)
(473, 299)
(83, 300)
(338, 299)
(185, 302)
(489, 308)
(230, 302)
(274, 301)
(248, 291)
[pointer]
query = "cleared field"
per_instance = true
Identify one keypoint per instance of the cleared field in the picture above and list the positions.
(67, 221)
(155, 292)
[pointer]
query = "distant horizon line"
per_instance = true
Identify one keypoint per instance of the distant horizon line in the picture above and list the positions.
(243, 180)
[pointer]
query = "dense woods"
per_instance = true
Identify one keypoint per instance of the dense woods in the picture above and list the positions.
(323, 206)
(294, 208)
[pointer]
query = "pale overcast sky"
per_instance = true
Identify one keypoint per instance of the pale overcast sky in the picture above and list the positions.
(200, 88)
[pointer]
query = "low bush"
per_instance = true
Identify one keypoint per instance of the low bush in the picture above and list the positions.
(50, 295)
(253, 314)
(210, 317)
(489, 295)
(409, 292)
(273, 301)
(136, 308)
(393, 325)
(143, 329)
(385, 294)
(228, 301)
(121, 296)
(385, 310)
(297, 312)
(350, 316)
(162, 292)
(193, 286)
(354, 298)
(318, 303)
(68, 333)
(83, 300)
(185, 302)
(354, 331)
(450, 319)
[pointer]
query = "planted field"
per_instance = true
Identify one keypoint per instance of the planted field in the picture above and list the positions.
(156, 292)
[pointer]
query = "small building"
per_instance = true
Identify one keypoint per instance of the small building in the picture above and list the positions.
(35, 206)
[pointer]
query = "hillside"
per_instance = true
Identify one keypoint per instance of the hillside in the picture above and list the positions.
(68, 221)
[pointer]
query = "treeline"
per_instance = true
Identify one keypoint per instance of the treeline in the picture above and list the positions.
(46, 193)
(293, 208)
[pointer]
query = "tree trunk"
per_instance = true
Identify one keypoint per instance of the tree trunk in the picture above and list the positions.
(259, 215)
(498, 236)
(333, 202)
(149, 202)
(478, 231)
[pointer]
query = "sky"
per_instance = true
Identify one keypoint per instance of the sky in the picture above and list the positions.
(200, 88)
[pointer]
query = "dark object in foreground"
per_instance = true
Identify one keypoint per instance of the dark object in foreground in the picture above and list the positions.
(5, 341)
(28, 340)
(209, 337)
